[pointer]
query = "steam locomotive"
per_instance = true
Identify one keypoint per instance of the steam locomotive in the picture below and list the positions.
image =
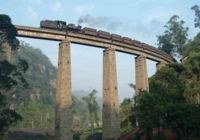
(59, 25)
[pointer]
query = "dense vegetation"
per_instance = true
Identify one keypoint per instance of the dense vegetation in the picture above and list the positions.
(93, 108)
(11, 75)
(174, 39)
(127, 115)
(41, 76)
(172, 105)
(36, 103)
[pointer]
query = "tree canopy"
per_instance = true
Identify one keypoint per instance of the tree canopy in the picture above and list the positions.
(196, 9)
(92, 107)
(8, 32)
(174, 39)
(10, 75)
(173, 100)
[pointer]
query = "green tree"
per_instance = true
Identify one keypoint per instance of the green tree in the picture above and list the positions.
(127, 114)
(173, 100)
(8, 32)
(174, 39)
(174, 97)
(93, 108)
(165, 88)
(7, 116)
(10, 76)
(196, 9)
(80, 112)
(36, 115)
(192, 73)
(166, 104)
(193, 58)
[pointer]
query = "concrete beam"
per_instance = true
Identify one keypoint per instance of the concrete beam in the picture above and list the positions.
(63, 118)
(142, 82)
(111, 122)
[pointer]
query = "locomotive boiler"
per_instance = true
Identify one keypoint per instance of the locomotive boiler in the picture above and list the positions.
(59, 25)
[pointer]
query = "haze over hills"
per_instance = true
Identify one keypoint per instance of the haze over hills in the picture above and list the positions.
(79, 94)
(41, 75)
(36, 102)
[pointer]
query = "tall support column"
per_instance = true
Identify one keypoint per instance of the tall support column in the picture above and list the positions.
(159, 65)
(63, 118)
(142, 82)
(111, 122)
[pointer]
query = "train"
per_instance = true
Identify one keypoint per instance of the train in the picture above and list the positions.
(63, 26)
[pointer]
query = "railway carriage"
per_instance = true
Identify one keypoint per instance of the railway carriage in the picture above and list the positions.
(104, 34)
(89, 31)
(116, 37)
(128, 40)
(137, 43)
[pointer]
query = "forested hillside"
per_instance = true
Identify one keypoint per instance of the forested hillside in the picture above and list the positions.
(36, 102)
(41, 76)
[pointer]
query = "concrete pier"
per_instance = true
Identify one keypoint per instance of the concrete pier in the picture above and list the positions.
(111, 122)
(142, 82)
(63, 119)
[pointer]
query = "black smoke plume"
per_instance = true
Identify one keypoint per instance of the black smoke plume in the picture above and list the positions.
(108, 23)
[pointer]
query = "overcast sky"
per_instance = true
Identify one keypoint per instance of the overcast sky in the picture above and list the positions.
(139, 19)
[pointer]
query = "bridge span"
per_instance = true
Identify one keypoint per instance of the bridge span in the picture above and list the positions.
(136, 48)
(111, 123)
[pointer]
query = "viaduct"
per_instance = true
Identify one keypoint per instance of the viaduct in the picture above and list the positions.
(111, 123)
